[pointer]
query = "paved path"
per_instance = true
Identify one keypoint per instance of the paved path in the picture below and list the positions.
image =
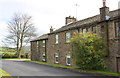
(23, 68)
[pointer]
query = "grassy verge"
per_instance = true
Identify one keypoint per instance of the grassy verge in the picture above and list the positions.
(3, 73)
(13, 58)
(79, 70)
(105, 72)
(51, 64)
(8, 52)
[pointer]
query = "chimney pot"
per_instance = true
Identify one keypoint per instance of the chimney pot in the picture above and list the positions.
(51, 29)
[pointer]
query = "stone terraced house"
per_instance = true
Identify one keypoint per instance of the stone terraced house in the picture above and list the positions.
(55, 47)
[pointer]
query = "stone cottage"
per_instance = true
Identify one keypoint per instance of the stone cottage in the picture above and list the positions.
(55, 47)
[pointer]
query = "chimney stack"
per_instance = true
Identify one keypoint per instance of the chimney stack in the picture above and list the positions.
(104, 3)
(51, 29)
(70, 20)
(104, 11)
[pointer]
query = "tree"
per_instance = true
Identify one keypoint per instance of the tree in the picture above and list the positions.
(21, 30)
(88, 51)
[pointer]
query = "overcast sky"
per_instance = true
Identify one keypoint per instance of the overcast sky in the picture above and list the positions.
(48, 13)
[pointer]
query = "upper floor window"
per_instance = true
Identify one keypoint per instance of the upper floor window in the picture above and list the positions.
(67, 37)
(84, 30)
(56, 38)
(37, 44)
(117, 29)
(89, 29)
(43, 43)
(94, 29)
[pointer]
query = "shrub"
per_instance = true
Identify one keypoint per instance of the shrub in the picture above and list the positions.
(88, 51)
(9, 55)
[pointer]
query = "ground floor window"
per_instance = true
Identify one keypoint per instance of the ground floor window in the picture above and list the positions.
(43, 59)
(56, 58)
(68, 60)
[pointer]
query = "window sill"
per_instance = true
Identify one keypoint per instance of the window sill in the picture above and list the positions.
(56, 43)
(56, 62)
(68, 64)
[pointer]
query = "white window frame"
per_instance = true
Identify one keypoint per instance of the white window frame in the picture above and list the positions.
(56, 38)
(117, 29)
(84, 31)
(43, 43)
(37, 42)
(68, 57)
(93, 29)
(67, 37)
(44, 57)
(56, 56)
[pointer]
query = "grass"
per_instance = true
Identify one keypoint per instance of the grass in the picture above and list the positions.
(8, 52)
(105, 72)
(3, 73)
(13, 58)
(89, 71)
(50, 64)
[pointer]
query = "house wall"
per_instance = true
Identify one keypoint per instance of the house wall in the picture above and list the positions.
(105, 29)
(62, 48)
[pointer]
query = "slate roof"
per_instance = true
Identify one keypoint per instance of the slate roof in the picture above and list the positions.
(85, 22)
(43, 37)
(82, 23)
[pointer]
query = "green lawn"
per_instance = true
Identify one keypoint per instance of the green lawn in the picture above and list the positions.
(7, 52)
(87, 71)
(50, 64)
(3, 73)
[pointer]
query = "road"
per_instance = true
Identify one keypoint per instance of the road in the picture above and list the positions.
(24, 68)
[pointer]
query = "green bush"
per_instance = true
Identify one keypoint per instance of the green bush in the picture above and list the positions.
(9, 55)
(88, 51)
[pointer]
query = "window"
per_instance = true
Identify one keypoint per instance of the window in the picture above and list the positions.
(117, 29)
(56, 38)
(68, 37)
(68, 60)
(43, 59)
(84, 30)
(89, 29)
(56, 58)
(43, 42)
(37, 44)
(94, 30)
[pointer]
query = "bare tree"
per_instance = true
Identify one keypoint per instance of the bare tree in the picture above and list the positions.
(21, 30)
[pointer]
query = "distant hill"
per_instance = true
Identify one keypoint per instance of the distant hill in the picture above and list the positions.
(7, 49)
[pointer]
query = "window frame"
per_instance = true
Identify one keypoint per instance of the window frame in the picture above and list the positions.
(115, 29)
(43, 57)
(37, 44)
(56, 39)
(56, 56)
(87, 29)
(43, 43)
(96, 29)
(67, 41)
(68, 57)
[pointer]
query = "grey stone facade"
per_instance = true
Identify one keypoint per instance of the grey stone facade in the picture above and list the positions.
(105, 24)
